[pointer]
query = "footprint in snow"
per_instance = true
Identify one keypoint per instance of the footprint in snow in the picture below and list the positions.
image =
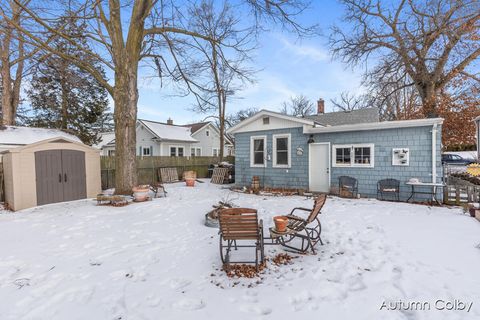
(189, 304)
(178, 283)
(259, 310)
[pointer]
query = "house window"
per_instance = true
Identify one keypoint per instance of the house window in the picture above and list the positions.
(281, 151)
(356, 155)
(258, 147)
(207, 132)
(266, 120)
(146, 152)
(176, 152)
(111, 153)
(215, 152)
(195, 152)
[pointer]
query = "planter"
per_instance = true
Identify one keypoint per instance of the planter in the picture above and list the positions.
(190, 182)
(140, 193)
(281, 223)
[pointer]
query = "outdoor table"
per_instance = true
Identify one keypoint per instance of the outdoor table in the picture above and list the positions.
(433, 191)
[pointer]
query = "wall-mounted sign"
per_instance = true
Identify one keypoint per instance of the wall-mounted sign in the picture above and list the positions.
(400, 157)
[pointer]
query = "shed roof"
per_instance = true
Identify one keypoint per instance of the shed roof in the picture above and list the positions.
(20, 136)
(365, 115)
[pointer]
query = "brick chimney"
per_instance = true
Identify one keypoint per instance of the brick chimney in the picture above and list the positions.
(170, 121)
(320, 106)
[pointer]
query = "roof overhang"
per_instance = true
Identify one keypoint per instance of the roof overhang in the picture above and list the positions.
(51, 140)
(264, 113)
(374, 126)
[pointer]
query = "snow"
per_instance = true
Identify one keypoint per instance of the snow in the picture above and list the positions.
(156, 260)
(105, 138)
(169, 132)
(20, 136)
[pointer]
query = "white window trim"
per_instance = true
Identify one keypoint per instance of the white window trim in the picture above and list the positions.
(213, 152)
(352, 155)
(289, 146)
(252, 164)
(176, 150)
(196, 148)
(150, 151)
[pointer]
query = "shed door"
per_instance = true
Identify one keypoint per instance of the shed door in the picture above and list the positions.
(319, 167)
(48, 171)
(60, 176)
(74, 178)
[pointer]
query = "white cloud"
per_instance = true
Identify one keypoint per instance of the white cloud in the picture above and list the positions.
(314, 53)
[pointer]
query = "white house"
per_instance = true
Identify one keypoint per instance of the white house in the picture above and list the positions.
(477, 122)
(167, 139)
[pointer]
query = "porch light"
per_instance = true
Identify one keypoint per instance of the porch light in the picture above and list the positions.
(310, 140)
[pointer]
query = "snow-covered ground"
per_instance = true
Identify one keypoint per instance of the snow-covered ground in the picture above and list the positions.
(156, 260)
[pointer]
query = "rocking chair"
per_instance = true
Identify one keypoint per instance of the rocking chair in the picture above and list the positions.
(238, 224)
(307, 230)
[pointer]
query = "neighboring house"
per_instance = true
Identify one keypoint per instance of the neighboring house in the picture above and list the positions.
(311, 153)
(166, 139)
(14, 137)
(477, 122)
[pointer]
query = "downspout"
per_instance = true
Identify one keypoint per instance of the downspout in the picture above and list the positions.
(434, 153)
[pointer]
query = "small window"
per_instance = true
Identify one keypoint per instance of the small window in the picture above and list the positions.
(281, 150)
(192, 152)
(257, 151)
(195, 152)
(207, 132)
(357, 155)
(180, 151)
(215, 152)
(266, 120)
(146, 151)
(343, 156)
(111, 153)
(173, 152)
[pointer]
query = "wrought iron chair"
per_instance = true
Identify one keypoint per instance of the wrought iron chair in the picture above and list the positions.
(307, 230)
(347, 185)
(388, 186)
(238, 224)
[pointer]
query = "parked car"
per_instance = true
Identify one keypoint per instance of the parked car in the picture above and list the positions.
(455, 159)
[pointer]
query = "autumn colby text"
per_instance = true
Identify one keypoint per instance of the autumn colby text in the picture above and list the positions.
(440, 304)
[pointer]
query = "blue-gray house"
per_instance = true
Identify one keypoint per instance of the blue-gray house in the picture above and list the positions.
(311, 153)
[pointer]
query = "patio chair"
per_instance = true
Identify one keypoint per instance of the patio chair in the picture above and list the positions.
(348, 186)
(240, 224)
(388, 186)
(307, 230)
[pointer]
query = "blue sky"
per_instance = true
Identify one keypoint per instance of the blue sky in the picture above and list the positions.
(288, 67)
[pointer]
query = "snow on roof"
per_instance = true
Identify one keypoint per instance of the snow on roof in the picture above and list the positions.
(105, 138)
(169, 132)
(20, 136)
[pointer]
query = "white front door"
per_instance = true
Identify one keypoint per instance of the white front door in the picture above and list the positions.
(319, 167)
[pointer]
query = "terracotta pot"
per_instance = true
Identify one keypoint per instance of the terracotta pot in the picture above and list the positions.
(190, 182)
(281, 223)
(140, 198)
(140, 189)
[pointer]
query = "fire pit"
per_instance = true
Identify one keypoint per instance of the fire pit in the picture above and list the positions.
(211, 218)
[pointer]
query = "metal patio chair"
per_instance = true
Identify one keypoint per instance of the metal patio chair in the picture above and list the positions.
(307, 230)
(240, 224)
(389, 187)
(347, 185)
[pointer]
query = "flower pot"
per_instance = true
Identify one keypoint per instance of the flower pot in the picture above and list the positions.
(281, 223)
(190, 182)
(472, 212)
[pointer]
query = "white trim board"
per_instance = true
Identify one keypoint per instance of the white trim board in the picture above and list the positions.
(374, 126)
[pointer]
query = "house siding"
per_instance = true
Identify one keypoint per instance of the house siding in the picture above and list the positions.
(417, 139)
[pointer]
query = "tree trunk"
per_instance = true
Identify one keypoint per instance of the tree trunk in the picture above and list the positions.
(429, 100)
(8, 118)
(125, 116)
(221, 108)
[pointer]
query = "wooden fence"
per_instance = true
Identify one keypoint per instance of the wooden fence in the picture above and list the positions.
(147, 167)
(458, 194)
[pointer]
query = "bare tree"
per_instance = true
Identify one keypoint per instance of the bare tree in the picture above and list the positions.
(298, 106)
(121, 35)
(240, 115)
(428, 43)
(223, 72)
(12, 61)
(349, 101)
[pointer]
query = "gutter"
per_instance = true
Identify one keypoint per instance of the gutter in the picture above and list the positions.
(374, 126)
